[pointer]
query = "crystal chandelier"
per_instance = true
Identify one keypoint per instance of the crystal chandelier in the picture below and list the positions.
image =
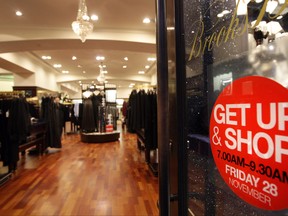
(101, 77)
(82, 26)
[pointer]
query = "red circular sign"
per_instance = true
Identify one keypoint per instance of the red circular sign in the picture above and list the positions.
(249, 140)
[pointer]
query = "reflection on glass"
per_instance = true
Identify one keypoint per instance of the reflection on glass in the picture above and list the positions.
(221, 47)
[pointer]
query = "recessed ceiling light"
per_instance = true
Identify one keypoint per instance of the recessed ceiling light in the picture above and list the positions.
(100, 58)
(84, 72)
(126, 58)
(46, 57)
(19, 13)
(147, 66)
(94, 17)
(146, 20)
(151, 59)
(124, 66)
(141, 72)
(65, 72)
(79, 66)
(57, 65)
(74, 58)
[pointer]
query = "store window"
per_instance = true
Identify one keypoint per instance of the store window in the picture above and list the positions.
(237, 106)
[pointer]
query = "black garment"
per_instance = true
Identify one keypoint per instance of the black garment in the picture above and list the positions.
(88, 119)
(142, 114)
(132, 112)
(154, 121)
(53, 115)
(97, 102)
(66, 109)
(59, 123)
(151, 120)
(4, 138)
(34, 111)
(15, 125)
(140, 109)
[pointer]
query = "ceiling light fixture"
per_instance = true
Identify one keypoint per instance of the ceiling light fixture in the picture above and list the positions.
(146, 20)
(19, 13)
(82, 26)
(46, 57)
(57, 65)
(151, 59)
(100, 58)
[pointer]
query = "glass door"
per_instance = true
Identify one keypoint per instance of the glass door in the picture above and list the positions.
(236, 66)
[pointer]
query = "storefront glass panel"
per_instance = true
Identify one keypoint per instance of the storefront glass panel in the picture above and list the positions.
(234, 49)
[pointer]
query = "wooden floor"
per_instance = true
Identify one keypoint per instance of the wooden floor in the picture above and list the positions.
(82, 179)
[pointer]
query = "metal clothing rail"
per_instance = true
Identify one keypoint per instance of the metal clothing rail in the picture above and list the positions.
(11, 94)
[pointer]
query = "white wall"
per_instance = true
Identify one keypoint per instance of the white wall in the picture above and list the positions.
(154, 79)
(123, 92)
(24, 79)
(46, 80)
(31, 71)
(6, 85)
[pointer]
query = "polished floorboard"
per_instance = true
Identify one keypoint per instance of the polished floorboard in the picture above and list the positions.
(82, 179)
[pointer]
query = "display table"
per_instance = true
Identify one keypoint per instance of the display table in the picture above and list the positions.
(36, 138)
(100, 137)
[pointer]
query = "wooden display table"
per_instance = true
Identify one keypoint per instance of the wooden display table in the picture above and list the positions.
(100, 137)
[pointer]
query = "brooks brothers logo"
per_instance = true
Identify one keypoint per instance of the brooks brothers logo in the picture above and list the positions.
(249, 141)
(235, 29)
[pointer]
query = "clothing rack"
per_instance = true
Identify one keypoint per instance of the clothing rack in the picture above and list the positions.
(142, 120)
(11, 94)
(70, 122)
(8, 95)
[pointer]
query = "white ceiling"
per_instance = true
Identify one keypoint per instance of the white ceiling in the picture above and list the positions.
(45, 29)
